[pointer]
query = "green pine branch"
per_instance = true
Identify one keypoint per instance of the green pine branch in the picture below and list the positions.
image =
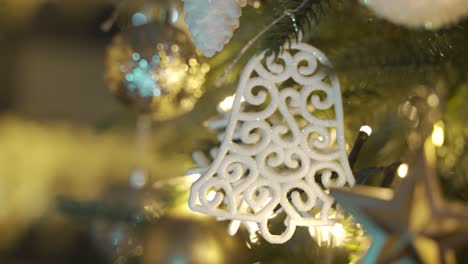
(416, 49)
(285, 30)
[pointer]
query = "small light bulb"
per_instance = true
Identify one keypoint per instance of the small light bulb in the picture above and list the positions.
(312, 231)
(402, 170)
(433, 100)
(438, 134)
(194, 176)
(226, 104)
(326, 234)
(253, 238)
(367, 130)
(234, 227)
(338, 232)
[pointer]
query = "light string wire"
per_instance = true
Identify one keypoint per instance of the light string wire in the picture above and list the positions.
(289, 12)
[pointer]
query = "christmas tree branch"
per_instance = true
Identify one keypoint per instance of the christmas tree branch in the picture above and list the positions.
(306, 14)
(410, 49)
(287, 13)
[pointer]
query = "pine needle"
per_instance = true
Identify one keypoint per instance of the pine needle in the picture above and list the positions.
(284, 31)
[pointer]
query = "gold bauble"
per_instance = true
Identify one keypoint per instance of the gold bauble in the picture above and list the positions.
(178, 240)
(154, 69)
(140, 12)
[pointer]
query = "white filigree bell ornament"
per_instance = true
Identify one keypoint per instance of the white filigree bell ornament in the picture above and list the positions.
(284, 146)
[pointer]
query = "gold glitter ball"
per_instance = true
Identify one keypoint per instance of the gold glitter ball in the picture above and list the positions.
(154, 69)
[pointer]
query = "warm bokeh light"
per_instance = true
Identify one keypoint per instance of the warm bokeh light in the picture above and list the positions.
(227, 104)
(233, 227)
(253, 231)
(438, 134)
(433, 100)
(193, 176)
(402, 170)
(329, 235)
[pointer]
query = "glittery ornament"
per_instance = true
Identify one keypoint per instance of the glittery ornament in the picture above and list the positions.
(154, 69)
(137, 13)
(212, 22)
(283, 148)
(431, 14)
(114, 239)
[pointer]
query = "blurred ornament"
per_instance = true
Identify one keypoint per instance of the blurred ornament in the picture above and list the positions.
(438, 134)
(212, 22)
(116, 239)
(153, 69)
(119, 218)
(140, 12)
(283, 147)
(423, 13)
(413, 224)
(178, 240)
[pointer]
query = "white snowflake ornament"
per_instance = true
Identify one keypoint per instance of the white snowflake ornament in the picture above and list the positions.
(284, 146)
(212, 23)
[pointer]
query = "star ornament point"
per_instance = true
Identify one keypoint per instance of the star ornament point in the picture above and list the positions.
(410, 225)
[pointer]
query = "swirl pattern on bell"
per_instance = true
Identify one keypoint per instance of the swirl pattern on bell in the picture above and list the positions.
(284, 146)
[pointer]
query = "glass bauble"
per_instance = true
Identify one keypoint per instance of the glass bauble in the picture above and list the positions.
(154, 69)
